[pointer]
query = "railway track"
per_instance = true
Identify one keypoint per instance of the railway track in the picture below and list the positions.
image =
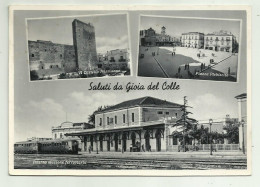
(93, 162)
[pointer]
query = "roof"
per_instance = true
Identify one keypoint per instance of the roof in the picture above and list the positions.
(192, 33)
(45, 141)
(142, 102)
(241, 96)
(76, 20)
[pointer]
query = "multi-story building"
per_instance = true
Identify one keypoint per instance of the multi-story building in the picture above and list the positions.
(131, 124)
(117, 59)
(150, 38)
(193, 40)
(59, 132)
(221, 41)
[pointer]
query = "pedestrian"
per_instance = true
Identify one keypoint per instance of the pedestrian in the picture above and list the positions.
(179, 69)
(150, 149)
(89, 148)
(172, 53)
(228, 71)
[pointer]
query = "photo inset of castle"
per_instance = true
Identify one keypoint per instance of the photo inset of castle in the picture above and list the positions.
(49, 60)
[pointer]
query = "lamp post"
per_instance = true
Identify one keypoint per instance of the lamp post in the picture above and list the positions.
(210, 123)
(243, 140)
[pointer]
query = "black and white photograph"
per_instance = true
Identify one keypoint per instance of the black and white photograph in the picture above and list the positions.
(189, 48)
(144, 124)
(78, 47)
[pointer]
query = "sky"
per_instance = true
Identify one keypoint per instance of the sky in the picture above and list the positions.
(111, 30)
(40, 105)
(177, 26)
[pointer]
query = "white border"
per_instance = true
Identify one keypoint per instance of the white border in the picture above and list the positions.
(13, 171)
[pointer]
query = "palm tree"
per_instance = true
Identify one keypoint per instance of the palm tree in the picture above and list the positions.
(232, 132)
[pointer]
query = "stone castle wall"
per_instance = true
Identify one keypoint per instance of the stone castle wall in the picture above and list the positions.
(45, 55)
(85, 45)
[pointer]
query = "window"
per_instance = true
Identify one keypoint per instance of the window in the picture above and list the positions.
(123, 118)
(55, 136)
(167, 113)
(176, 114)
(100, 121)
(60, 135)
(60, 55)
(159, 112)
(107, 120)
(50, 66)
(133, 117)
(32, 55)
(115, 119)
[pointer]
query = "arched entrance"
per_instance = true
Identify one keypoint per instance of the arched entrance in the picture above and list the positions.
(116, 142)
(147, 141)
(91, 142)
(133, 138)
(158, 140)
(124, 139)
(108, 143)
(101, 142)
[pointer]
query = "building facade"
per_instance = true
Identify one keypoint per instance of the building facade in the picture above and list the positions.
(45, 55)
(221, 41)
(117, 59)
(193, 40)
(59, 132)
(150, 38)
(134, 125)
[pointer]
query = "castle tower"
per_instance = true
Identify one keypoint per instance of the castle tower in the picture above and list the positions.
(85, 45)
(163, 30)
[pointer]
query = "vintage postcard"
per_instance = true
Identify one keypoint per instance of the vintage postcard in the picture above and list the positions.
(128, 103)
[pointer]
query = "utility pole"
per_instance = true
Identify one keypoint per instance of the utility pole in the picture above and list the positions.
(210, 124)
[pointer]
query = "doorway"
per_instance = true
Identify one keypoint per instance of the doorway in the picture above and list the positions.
(116, 142)
(101, 142)
(124, 139)
(147, 141)
(158, 140)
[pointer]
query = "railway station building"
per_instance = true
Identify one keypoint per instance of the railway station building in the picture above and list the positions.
(141, 124)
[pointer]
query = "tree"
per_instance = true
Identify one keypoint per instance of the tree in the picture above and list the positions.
(232, 132)
(186, 124)
(203, 134)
